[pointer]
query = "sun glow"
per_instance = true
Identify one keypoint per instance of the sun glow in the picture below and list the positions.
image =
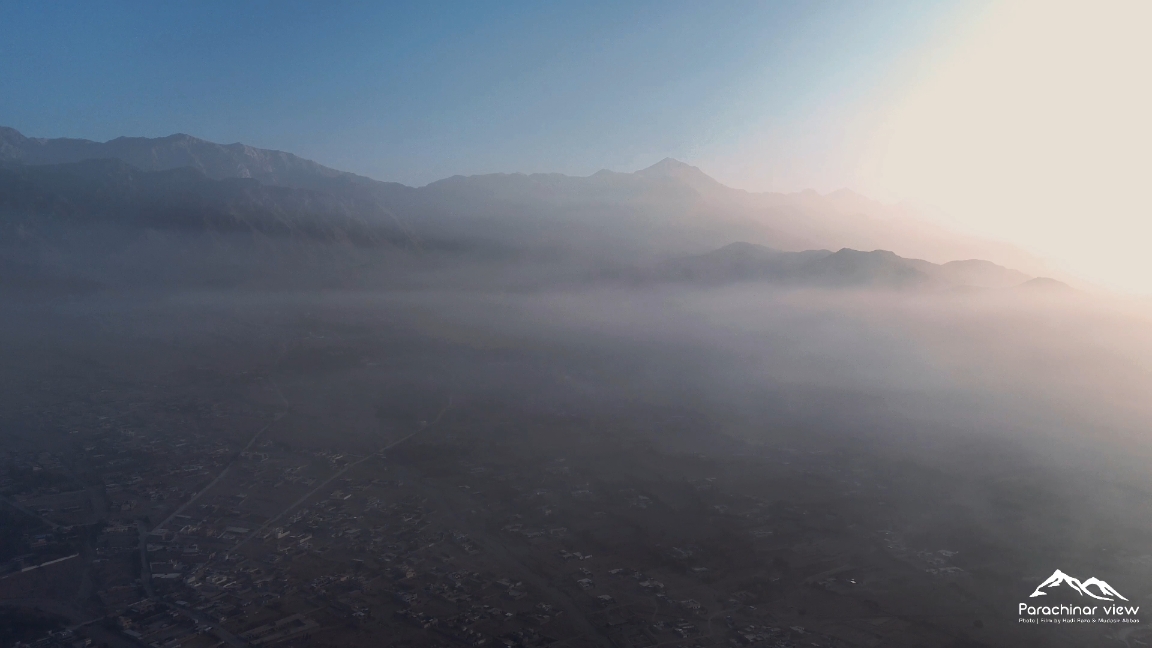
(1037, 130)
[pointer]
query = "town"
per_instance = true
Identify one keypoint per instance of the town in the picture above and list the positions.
(179, 514)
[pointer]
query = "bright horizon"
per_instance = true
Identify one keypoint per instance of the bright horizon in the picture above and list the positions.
(1021, 121)
(1036, 131)
(1030, 127)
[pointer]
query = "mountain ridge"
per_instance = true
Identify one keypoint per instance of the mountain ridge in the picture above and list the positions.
(52, 211)
(749, 262)
(667, 209)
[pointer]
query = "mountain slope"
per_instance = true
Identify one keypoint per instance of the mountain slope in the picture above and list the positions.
(115, 193)
(105, 225)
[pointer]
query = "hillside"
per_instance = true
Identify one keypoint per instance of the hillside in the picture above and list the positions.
(113, 192)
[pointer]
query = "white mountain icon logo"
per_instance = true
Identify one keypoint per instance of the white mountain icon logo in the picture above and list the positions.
(1058, 578)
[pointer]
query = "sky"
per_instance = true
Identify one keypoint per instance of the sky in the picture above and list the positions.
(1021, 121)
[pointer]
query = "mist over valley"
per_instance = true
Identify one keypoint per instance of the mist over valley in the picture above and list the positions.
(249, 399)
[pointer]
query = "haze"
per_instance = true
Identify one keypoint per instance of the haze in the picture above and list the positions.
(554, 325)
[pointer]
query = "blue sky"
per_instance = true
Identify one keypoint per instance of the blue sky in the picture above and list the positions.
(416, 92)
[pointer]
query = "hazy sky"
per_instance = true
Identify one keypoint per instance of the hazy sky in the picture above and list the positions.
(1022, 121)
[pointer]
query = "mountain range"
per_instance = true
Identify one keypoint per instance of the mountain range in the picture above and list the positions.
(670, 221)
(216, 161)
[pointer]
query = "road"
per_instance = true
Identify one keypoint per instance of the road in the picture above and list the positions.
(324, 484)
(21, 508)
(223, 472)
(145, 566)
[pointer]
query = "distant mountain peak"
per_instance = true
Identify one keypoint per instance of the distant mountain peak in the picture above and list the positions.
(669, 165)
(681, 171)
(744, 247)
(1046, 284)
(7, 132)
